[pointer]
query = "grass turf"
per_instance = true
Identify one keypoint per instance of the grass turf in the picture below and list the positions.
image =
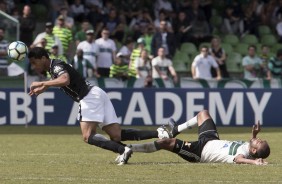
(40, 154)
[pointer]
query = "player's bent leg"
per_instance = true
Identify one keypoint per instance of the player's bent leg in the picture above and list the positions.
(203, 116)
(166, 144)
(114, 131)
(89, 136)
(87, 128)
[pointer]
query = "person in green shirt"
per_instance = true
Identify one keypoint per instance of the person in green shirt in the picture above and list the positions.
(82, 65)
(119, 69)
(275, 65)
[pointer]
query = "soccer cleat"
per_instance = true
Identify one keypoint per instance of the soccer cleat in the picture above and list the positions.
(163, 132)
(123, 158)
(173, 127)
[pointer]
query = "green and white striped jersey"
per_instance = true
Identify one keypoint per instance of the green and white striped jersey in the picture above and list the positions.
(224, 151)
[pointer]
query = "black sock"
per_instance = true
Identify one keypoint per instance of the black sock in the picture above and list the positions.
(136, 135)
(105, 144)
(175, 131)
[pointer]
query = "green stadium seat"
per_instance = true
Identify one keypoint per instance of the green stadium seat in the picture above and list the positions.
(227, 47)
(268, 40)
(264, 29)
(231, 39)
(234, 62)
(241, 48)
(188, 48)
(249, 39)
(180, 67)
(276, 47)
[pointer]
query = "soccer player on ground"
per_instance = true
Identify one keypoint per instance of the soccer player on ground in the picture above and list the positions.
(95, 107)
(209, 148)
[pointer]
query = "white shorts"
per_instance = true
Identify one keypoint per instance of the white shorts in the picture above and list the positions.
(96, 106)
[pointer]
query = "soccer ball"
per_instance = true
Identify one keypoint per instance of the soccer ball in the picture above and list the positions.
(17, 50)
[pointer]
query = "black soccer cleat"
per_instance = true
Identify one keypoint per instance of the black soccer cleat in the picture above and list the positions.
(173, 127)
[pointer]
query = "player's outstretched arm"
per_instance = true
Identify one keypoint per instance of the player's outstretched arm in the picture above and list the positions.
(240, 159)
(256, 129)
(37, 88)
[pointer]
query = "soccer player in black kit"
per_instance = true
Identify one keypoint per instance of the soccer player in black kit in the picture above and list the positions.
(95, 107)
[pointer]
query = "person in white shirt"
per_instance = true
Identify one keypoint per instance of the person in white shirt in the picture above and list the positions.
(90, 50)
(107, 54)
(208, 147)
(143, 65)
(202, 64)
(162, 66)
(253, 65)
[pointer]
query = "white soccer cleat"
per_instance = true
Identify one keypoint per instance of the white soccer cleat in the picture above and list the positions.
(163, 132)
(123, 158)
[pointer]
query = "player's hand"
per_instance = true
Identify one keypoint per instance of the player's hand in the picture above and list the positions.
(37, 88)
(256, 129)
(260, 161)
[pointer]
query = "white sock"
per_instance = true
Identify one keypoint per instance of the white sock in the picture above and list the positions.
(188, 124)
(145, 148)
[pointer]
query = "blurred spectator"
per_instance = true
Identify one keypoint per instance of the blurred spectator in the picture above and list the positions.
(118, 34)
(41, 43)
(81, 34)
(206, 6)
(202, 64)
(55, 6)
(69, 21)
(148, 83)
(275, 65)
(253, 65)
(232, 22)
(135, 54)
(51, 39)
(95, 18)
(279, 30)
(119, 68)
(251, 20)
(27, 25)
(200, 31)
(111, 21)
(82, 65)
(163, 39)
(126, 50)
(107, 53)
(264, 54)
(143, 65)
(162, 67)
(55, 54)
(3, 53)
(140, 22)
(164, 5)
(148, 37)
(90, 50)
(195, 11)
(78, 11)
(63, 33)
(219, 55)
(98, 3)
(267, 12)
(182, 27)
(162, 17)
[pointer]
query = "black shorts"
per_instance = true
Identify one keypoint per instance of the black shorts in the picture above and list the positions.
(191, 151)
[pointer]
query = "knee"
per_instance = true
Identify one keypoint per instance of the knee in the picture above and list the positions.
(203, 114)
(167, 144)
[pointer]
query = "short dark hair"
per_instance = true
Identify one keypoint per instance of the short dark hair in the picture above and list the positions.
(263, 151)
(37, 53)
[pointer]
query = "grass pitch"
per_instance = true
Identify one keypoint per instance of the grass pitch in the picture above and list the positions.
(58, 155)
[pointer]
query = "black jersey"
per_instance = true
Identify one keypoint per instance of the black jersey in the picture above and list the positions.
(78, 87)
